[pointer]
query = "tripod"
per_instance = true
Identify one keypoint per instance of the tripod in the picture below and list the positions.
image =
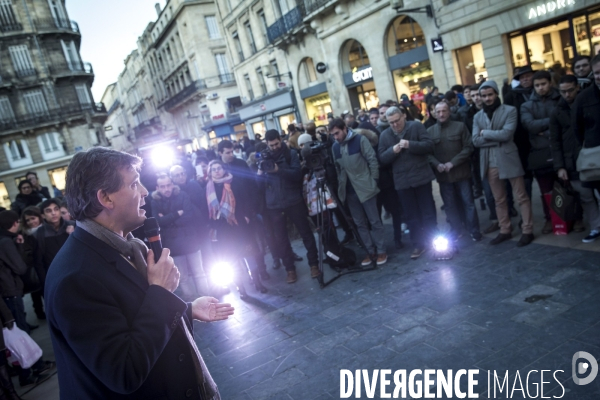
(322, 185)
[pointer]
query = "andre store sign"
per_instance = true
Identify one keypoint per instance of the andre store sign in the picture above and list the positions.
(549, 7)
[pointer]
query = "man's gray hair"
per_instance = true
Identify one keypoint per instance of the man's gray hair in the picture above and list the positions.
(392, 111)
(443, 103)
(90, 171)
(175, 168)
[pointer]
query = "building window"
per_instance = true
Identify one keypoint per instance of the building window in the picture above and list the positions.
(35, 103)
(471, 64)
(238, 45)
(274, 69)
(83, 96)
(261, 80)
(58, 13)
(71, 55)
(357, 55)
(17, 153)
(50, 145)
(6, 112)
(250, 37)
(21, 60)
(225, 74)
(8, 20)
(249, 87)
(213, 27)
(406, 35)
(310, 73)
(263, 26)
(58, 177)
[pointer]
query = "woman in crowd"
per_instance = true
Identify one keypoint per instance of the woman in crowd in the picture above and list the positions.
(26, 197)
(229, 214)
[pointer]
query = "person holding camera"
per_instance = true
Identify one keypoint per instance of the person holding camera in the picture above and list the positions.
(280, 177)
(358, 172)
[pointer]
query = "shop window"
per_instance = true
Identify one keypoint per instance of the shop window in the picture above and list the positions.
(367, 96)
(405, 34)
(286, 120)
(4, 199)
(317, 107)
(259, 127)
(595, 31)
(357, 55)
(58, 177)
(519, 56)
(471, 64)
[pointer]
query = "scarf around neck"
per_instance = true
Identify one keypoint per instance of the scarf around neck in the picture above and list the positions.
(489, 110)
(132, 248)
(226, 206)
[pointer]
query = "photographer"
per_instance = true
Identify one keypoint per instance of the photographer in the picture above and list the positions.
(280, 177)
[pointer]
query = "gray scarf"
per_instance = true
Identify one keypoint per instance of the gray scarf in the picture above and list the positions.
(133, 248)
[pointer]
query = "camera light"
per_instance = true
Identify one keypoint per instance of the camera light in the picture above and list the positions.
(163, 157)
(440, 243)
(222, 274)
(442, 248)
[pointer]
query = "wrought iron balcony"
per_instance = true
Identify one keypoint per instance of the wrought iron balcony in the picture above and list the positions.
(24, 73)
(57, 24)
(186, 92)
(227, 78)
(14, 27)
(285, 24)
(57, 114)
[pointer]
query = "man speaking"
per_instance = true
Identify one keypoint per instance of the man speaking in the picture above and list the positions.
(117, 329)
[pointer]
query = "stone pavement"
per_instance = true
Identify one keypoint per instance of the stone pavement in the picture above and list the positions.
(489, 308)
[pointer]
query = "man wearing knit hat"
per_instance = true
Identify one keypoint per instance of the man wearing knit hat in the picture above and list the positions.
(493, 131)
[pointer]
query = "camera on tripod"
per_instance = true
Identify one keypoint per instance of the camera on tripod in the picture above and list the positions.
(265, 160)
(315, 155)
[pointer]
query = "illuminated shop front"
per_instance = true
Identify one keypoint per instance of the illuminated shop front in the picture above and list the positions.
(471, 64)
(358, 76)
(275, 111)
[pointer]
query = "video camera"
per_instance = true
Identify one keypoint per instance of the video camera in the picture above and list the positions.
(315, 155)
(266, 160)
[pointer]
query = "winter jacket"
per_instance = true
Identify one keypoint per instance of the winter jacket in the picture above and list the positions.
(516, 97)
(283, 188)
(565, 147)
(51, 240)
(356, 163)
(497, 136)
(197, 195)
(11, 265)
(451, 143)
(586, 117)
(535, 116)
(467, 115)
(23, 201)
(178, 233)
(410, 166)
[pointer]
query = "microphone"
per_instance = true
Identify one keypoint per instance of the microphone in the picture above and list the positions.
(152, 232)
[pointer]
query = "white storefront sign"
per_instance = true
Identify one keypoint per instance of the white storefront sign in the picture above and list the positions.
(549, 7)
(362, 75)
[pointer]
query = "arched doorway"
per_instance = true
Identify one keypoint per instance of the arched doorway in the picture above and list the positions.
(408, 58)
(358, 76)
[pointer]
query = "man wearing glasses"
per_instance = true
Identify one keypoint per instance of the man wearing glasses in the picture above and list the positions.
(406, 145)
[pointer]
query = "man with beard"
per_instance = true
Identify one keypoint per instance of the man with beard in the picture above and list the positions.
(493, 130)
(583, 71)
(382, 123)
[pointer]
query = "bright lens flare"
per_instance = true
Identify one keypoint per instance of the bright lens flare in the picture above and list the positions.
(440, 244)
(222, 274)
(163, 157)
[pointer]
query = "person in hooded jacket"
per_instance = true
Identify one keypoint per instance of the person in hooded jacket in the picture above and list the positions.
(26, 197)
(535, 117)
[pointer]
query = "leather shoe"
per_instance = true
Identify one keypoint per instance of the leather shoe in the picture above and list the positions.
(492, 228)
(526, 238)
(314, 271)
(367, 261)
(291, 277)
(502, 237)
(381, 259)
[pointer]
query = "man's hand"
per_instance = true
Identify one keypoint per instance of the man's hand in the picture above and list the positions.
(404, 144)
(70, 229)
(208, 309)
(164, 273)
(448, 166)
(441, 168)
(562, 174)
(19, 239)
(180, 212)
(397, 148)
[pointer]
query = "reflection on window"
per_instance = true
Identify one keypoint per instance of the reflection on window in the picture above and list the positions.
(471, 64)
(357, 55)
(58, 177)
(407, 34)
(518, 51)
(595, 30)
(550, 45)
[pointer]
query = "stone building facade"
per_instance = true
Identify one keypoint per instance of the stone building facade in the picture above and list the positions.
(47, 112)
(177, 88)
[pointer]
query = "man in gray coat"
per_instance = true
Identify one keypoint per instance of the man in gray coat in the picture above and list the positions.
(451, 162)
(358, 172)
(493, 130)
(406, 145)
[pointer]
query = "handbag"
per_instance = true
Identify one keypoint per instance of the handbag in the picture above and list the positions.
(588, 164)
(22, 347)
(565, 202)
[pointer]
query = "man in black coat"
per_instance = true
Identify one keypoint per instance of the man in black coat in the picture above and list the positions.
(117, 329)
(565, 150)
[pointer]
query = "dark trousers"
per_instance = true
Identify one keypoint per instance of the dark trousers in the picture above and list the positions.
(489, 197)
(418, 207)
(457, 196)
(298, 214)
(38, 305)
(278, 246)
(475, 172)
(545, 181)
(388, 198)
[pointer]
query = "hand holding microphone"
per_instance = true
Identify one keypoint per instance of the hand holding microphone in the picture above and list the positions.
(161, 267)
